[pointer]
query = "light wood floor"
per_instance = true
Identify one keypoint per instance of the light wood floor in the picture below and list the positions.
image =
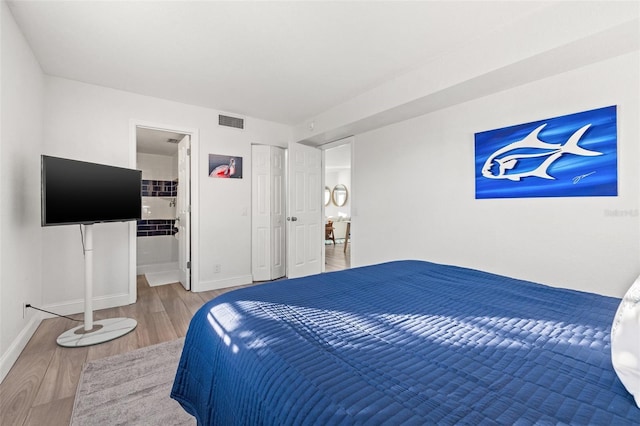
(336, 259)
(41, 386)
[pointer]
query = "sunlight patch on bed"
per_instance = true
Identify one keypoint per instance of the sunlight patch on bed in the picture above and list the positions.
(496, 331)
(220, 332)
(348, 328)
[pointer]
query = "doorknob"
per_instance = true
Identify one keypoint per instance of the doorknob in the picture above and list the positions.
(292, 219)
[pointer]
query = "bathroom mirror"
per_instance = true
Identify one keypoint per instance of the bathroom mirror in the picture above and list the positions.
(339, 195)
(327, 195)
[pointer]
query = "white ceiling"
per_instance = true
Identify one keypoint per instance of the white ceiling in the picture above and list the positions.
(280, 61)
(151, 141)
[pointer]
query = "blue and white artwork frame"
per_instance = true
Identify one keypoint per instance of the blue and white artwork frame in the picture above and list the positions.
(568, 156)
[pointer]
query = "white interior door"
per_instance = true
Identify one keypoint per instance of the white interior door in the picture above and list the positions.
(267, 212)
(260, 213)
(183, 213)
(278, 206)
(305, 231)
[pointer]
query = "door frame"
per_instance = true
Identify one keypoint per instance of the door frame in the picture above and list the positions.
(344, 141)
(195, 219)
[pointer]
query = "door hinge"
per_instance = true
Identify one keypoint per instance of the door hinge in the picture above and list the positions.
(188, 265)
(188, 151)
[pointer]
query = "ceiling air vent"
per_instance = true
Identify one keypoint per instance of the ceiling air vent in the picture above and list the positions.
(173, 140)
(225, 120)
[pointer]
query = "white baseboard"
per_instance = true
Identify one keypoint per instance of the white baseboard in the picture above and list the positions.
(156, 267)
(77, 306)
(19, 343)
(227, 282)
(67, 308)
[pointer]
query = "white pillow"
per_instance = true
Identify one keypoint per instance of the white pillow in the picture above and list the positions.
(625, 341)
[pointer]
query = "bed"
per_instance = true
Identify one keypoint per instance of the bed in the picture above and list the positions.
(404, 342)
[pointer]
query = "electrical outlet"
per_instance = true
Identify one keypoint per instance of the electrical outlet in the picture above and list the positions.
(216, 268)
(24, 310)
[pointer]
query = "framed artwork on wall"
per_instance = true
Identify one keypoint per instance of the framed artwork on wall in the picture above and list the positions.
(568, 156)
(225, 166)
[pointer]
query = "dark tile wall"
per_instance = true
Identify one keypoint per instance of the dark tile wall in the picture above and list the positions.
(159, 188)
(153, 227)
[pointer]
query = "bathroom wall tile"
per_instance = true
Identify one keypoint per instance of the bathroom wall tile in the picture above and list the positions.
(158, 208)
(155, 227)
(159, 188)
(156, 249)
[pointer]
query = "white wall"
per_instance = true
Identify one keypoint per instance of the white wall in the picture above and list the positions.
(92, 123)
(20, 232)
(427, 209)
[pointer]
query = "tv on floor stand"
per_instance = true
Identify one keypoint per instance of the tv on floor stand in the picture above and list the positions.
(93, 332)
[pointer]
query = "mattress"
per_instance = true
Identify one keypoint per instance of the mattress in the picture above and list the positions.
(406, 342)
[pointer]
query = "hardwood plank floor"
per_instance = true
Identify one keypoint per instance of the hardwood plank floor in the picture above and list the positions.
(335, 257)
(41, 386)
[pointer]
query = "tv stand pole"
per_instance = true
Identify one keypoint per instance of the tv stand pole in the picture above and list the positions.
(92, 333)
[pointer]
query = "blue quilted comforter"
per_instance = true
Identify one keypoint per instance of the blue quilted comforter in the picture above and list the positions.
(406, 342)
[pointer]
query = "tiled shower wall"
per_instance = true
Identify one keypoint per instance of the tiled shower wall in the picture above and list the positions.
(156, 246)
(155, 227)
(159, 190)
(158, 200)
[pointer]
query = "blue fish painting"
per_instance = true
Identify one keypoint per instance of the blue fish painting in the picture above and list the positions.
(568, 156)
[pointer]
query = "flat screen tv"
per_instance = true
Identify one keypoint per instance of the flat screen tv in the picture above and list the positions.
(77, 192)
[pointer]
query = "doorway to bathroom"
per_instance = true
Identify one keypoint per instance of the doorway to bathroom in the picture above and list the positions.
(163, 233)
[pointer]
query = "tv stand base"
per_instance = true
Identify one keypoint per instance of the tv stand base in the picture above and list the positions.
(102, 331)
